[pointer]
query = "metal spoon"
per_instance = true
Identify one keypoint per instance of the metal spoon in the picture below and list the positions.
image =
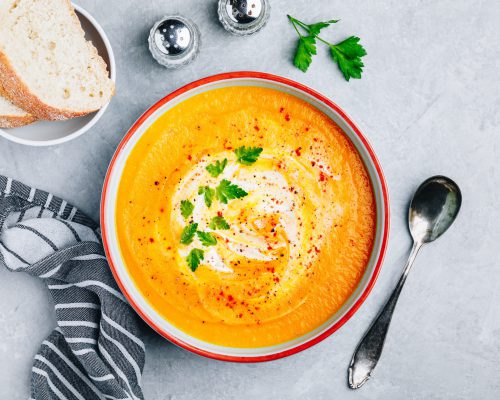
(433, 209)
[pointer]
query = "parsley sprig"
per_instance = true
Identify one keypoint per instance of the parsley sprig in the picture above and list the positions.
(218, 222)
(206, 238)
(194, 258)
(217, 168)
(186, 208)
(188, 232)
(247, 155)
(228, 191)
(347, 54)
(208, 194)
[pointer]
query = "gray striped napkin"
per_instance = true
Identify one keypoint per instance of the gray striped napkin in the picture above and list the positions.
(96, 351)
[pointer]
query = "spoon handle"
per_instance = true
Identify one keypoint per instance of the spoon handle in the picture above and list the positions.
(368, 352)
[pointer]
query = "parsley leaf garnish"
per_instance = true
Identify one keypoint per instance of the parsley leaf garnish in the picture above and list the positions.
(216, 169)
(306, 47)
(347, 54)
(188, 233)
(218, 222)
(305, 50)
(208, 194)
(247, 155)
(206, 238)
(194, 258)
(186, 208)
(314, 29)
(228, 191)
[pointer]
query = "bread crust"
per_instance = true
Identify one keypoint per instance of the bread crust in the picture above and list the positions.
(20, 95)
(14, 121)
(11, 121)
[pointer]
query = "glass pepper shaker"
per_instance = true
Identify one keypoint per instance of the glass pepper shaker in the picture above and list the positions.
(244, 17)
(174, 41)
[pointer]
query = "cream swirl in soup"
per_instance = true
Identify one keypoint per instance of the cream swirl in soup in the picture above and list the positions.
(277, 225)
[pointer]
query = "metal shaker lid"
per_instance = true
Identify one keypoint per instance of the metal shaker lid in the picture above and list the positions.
(174, 41)
(244, 17)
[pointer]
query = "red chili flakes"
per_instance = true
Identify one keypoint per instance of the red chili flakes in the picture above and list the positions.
(281, 109)
(161, 210)
(157, 183)
(276, 279)
(315, 139)
(219, 213)
(151, 240)
(256, 128)
(189, 157)
(287, 118)
(313, 163)
(297, 151)
(307, 129)
(322, 176)
(230, 298)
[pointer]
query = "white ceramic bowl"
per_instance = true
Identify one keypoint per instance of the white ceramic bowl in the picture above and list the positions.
(48, 133)
(147, 312)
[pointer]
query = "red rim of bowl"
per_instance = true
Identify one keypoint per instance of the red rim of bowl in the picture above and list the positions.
(374, 160)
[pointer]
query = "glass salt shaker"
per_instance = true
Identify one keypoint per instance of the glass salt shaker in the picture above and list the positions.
(174, 41)
(244, 17)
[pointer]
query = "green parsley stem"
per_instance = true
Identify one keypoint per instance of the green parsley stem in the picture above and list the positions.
(293, 20)
(301, 24)
(305, 27)
(324, 41)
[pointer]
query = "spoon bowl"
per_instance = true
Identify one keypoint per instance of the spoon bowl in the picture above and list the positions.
(433, 208)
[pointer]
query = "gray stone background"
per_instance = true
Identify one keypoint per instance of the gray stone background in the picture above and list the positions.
(428, 102)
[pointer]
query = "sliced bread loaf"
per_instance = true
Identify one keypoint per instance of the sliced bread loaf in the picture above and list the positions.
(47, 67)
(12, 116)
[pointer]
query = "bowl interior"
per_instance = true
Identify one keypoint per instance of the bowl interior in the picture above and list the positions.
(171, 332)
(46, 133)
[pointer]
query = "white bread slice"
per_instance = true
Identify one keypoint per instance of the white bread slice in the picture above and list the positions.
(47, 67)
(12, 116)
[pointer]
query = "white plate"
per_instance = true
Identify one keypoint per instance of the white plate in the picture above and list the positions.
(48, 133)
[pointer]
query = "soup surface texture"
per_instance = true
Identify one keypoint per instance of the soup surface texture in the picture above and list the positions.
(245, 217)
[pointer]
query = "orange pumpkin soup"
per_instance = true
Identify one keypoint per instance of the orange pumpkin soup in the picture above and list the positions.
(245, 217)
